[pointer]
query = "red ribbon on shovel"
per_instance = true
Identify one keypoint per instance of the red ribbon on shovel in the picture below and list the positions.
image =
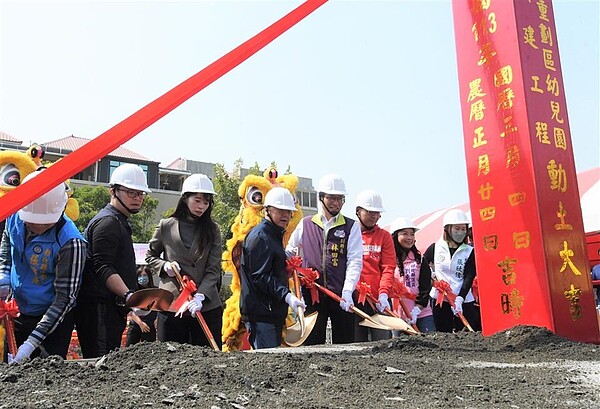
(188, 289)
(398, 291)
(308, 278)
(364, 290)
(444, 289)
(9, 310)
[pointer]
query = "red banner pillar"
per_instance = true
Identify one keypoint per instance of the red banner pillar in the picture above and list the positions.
(527, 223)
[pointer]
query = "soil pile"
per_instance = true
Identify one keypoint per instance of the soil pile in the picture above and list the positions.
(521, 368)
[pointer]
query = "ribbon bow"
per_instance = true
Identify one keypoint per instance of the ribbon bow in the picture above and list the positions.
(188, 288)
(308, 276)
(444, 289)
(9, 308)
(364, 290)
(399, 290)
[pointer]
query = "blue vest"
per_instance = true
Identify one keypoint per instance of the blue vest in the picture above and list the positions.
(328, 255)
(33, 265)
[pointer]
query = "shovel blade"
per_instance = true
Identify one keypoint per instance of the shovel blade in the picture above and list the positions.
(296, 334)
(384, 322)
(156, 299)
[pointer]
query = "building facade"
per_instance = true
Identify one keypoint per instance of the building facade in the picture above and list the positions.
(165, 182)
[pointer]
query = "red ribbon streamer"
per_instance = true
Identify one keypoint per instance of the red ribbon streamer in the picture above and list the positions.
(116, 136)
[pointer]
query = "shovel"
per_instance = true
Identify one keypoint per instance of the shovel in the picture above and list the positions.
(451, 296)
(296, 334)
(392, 314)
(156, 299)
(199, 316)
(8, 311)
(372, 321)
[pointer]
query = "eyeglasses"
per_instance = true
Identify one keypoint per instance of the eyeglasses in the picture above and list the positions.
(132, 194)
(340, 199)
(372, 213)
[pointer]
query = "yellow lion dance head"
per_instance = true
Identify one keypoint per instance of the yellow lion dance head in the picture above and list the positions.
(252, 192)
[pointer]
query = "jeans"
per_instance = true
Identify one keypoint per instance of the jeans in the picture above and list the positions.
(264, 334)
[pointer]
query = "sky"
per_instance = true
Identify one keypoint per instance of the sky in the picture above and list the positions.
(364, 89)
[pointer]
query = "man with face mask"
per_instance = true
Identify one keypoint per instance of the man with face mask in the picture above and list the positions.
(453, 261)
(110, 273)
(330, 243)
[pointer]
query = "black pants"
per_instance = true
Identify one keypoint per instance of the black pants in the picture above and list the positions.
(111, 325)
(187, 329)
(366, 334)
(56, 343)
(86, 324)
(342, 322)
(446, 321)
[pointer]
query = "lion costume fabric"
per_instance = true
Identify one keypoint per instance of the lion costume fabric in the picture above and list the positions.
(252, 191)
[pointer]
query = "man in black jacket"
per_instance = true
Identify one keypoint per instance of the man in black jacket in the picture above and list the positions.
(110, 273)
(265, 295)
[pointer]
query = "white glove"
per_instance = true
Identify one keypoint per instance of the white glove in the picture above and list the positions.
(458, 305)
(195, 304)
(383, 302)
(23, 353)
(168, 267)
(434, 293)
(294, 302)
(415, 314)
(346, 302)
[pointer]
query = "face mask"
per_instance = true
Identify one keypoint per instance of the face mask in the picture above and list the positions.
(458, 237)
(143, 280)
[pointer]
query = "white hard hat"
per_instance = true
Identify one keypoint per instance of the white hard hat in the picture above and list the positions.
(45, 209)
(130, 176)
(280, 198)
(332, 184)
(370, 200)
(402, 223)
(198, 183)
(455, 216)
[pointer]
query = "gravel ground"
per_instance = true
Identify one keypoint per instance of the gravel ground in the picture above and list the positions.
(526, 367)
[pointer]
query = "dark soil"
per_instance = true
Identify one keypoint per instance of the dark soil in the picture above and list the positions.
(525, 367)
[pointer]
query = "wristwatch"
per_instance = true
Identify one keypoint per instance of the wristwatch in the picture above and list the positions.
(122, 300)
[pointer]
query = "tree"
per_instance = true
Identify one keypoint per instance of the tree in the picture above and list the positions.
(142, 223)
(92, 199)
(227, 203)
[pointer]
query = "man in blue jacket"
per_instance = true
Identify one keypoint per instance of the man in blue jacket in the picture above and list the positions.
(265, 295)
(42, 256)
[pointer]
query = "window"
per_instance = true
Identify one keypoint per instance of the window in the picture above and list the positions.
(116, 163)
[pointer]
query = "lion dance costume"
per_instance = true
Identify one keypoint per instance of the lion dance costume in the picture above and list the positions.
(252, 191)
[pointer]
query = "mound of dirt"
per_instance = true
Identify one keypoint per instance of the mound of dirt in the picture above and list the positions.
(521, 368)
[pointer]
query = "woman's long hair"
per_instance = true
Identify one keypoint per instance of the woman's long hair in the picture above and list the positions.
(402, 253)
(204, 224)
(148, 271)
